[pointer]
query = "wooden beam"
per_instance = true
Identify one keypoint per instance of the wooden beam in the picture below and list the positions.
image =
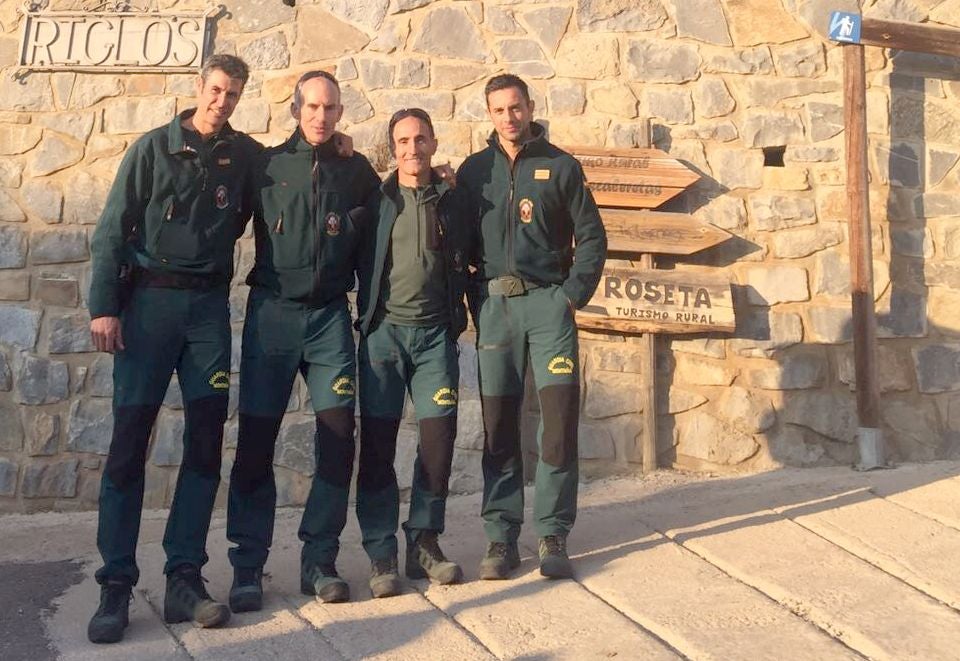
(648, 347)
(861, 258)
(919, 37)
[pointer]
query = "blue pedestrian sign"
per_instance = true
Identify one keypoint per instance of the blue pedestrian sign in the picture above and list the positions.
(845, 27)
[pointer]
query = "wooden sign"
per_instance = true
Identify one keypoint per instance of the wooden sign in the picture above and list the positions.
(634, 178)
(630, 230)
(653, 301)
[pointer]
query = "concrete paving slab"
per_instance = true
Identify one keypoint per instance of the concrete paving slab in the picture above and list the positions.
(402, 627)
(855, 602)
(688, 602)
(925, 559)
(938, 500)
(529, 617)
(146, 637)
(733, 579)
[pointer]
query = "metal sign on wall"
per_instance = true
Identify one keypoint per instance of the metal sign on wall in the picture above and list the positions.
(116, 41)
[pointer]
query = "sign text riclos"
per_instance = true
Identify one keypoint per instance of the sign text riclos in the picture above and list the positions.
(99, 40)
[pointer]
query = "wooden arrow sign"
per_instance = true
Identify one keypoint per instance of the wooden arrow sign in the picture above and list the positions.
(633, 300)
(634, 178)
(631, 230)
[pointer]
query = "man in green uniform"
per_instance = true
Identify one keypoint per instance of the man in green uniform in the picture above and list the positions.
(298, 320)
(412, 282)
(542, 249)
(165, 242)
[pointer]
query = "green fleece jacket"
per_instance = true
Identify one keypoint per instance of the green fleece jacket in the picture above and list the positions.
(306, 236)
(177, 205)
(537, 219)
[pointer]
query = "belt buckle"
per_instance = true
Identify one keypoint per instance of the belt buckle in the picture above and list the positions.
(507, 285)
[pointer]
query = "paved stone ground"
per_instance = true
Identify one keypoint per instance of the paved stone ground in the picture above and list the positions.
(795, 564)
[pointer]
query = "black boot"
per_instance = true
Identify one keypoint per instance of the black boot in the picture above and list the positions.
(554, 561)
(246, 593)
(112, 617)
(426, 560)
(499, 561)
(384, 578)
(187, 600)
(323, 582)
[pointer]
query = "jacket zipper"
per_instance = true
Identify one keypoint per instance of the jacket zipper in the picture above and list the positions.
(317, 223)
(169, 215)
(511, 221)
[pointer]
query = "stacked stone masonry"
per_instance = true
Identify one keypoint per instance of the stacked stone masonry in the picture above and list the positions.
(720, 80)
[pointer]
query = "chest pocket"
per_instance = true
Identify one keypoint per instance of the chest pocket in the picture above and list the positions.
(287, 224)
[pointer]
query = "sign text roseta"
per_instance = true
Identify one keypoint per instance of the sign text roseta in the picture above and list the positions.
(640, 300)
(97, 41)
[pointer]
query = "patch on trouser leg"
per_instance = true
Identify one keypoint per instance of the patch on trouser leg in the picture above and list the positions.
(501, 429)
(204, 434)
(436, 452)
(560, 415)
(335, 446)
(378, 449)
(256, 442)
(128, 447)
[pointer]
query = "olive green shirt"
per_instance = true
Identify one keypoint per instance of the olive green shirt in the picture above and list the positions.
(416, 283)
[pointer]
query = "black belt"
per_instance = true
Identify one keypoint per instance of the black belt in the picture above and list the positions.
(170, 280)
(509, 285)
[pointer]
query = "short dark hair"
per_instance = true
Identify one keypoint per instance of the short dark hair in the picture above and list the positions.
(505, 81)
(402, 114)
(231, 65)
(310, 75)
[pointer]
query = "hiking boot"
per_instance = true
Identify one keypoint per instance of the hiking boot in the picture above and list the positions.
(426, 560)
(246, 593)
(501, 559)
(554, 562)
(112, 617)
(187, 600)
(385, 578)
(323, 582)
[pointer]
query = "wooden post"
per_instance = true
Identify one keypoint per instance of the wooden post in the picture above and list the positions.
(869, 437)
(648, 347)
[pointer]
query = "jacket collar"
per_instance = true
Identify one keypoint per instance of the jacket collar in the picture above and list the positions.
(538, 137)
(177, 138)
(391, 185)
(297, 143)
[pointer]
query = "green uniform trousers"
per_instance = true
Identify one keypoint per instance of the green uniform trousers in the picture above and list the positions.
(394, 360)
(538, 324)
(281, 338)
(165, 330)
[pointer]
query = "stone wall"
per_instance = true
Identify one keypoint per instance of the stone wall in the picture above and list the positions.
(721, 81)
